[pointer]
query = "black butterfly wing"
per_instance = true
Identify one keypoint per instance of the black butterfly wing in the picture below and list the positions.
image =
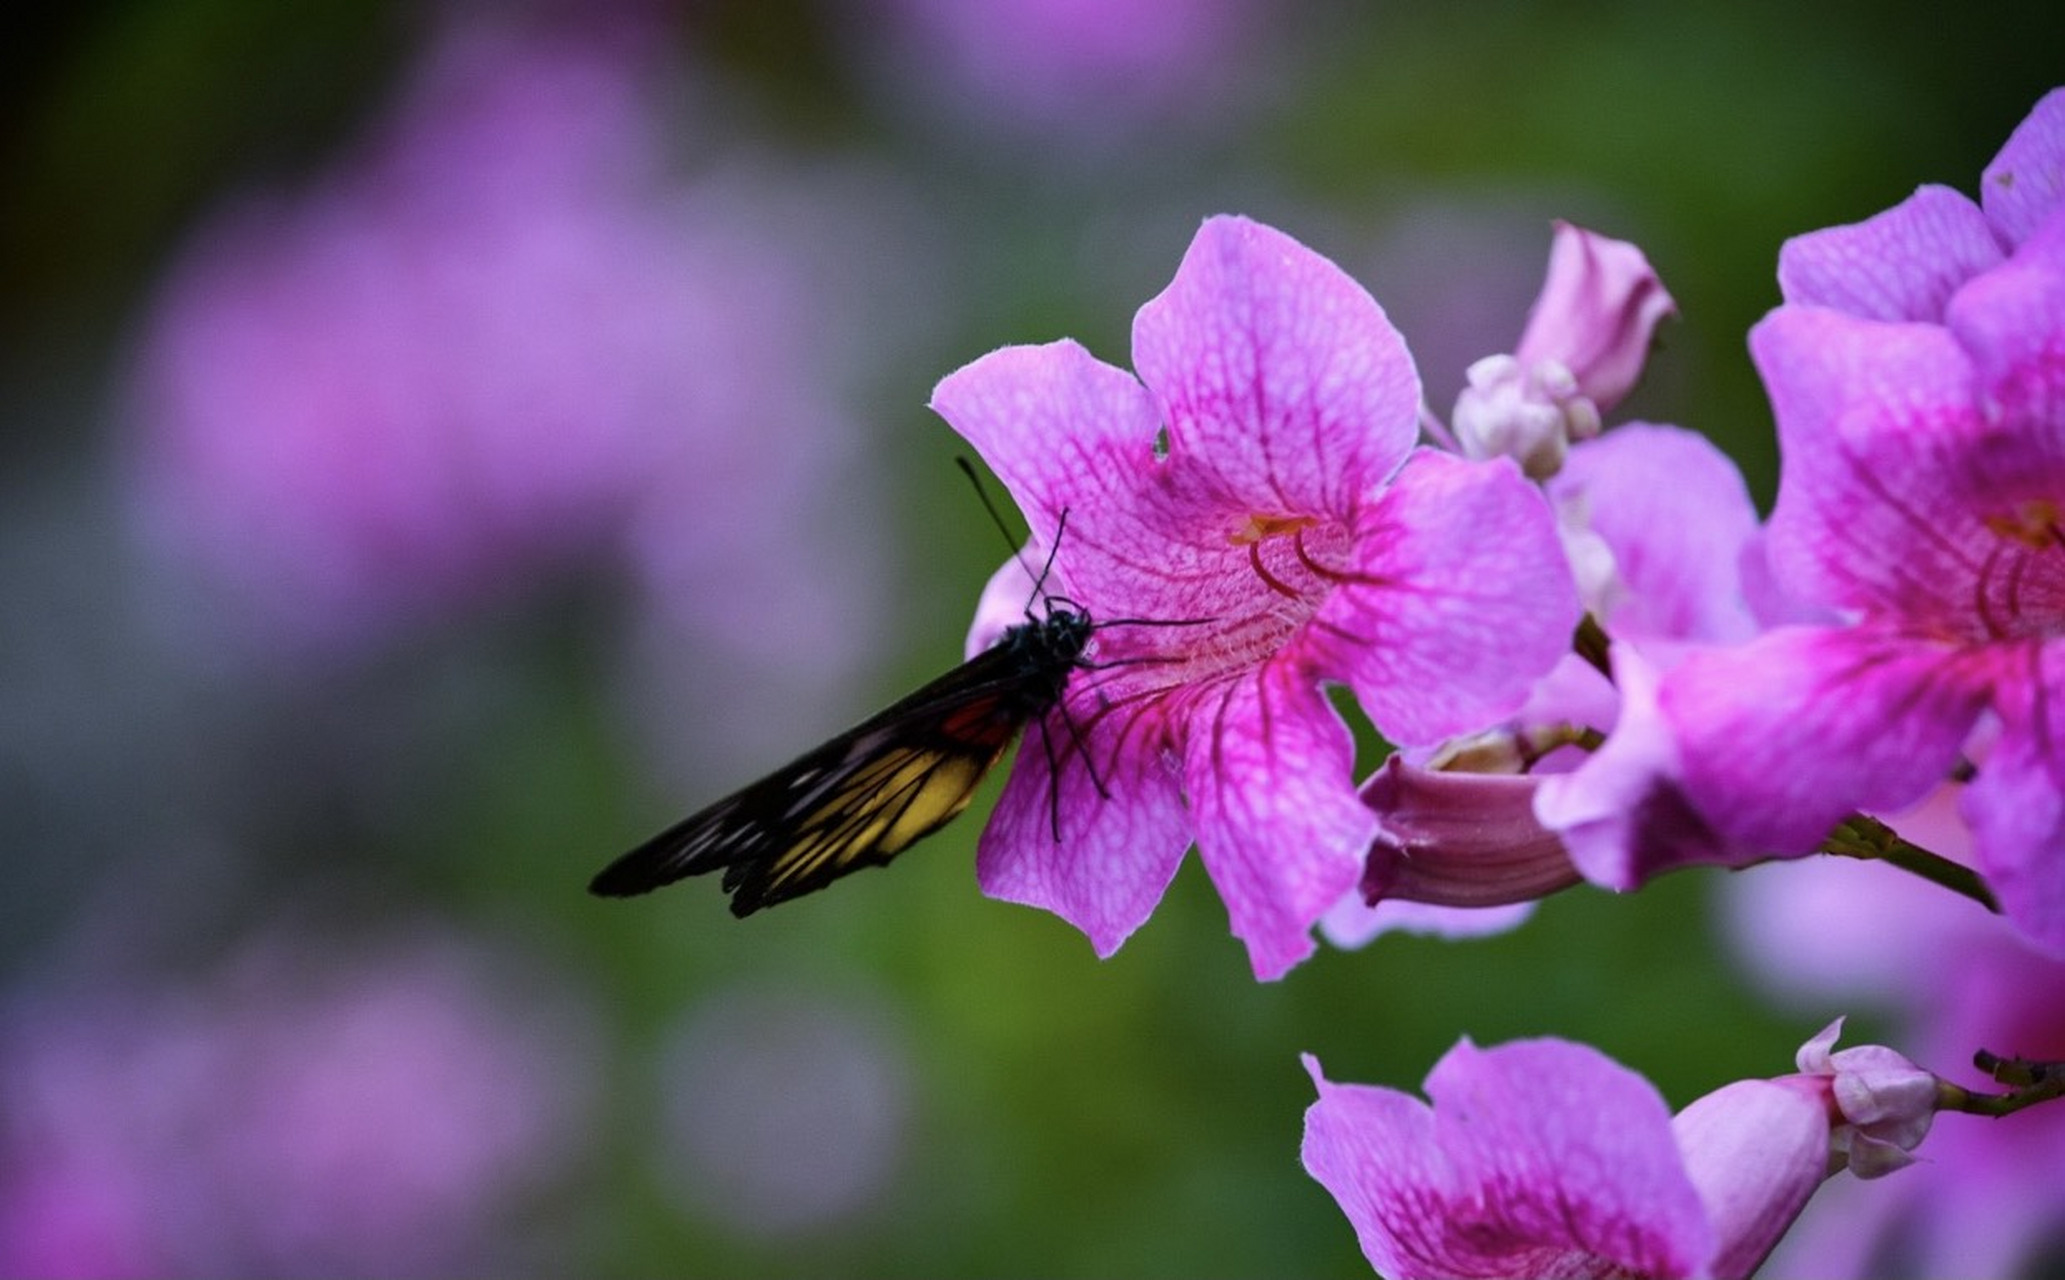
(857, 801)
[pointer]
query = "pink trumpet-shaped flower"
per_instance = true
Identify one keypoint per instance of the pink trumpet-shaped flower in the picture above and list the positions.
(1546, 1158)
(1247, 521)
(1917, 371)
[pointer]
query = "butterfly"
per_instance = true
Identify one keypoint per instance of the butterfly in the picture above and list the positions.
(873, 791)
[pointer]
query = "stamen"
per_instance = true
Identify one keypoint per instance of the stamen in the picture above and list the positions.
(1260, 527)
(1982, 603)
(2034, 524)
(1319, 570)
(1271, 580)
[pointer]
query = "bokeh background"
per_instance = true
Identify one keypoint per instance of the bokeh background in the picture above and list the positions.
(443, 444)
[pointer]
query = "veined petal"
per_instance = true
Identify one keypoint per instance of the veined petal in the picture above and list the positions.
(1461, 599)
(1903, 264)
(2016, 806)
(1062, 429)
(1373, 1148)
(1781, 737)
(1070, 434)
(1537, 1158)
(1268, 770)
(2011, 322)
(1097, 850)
(2025, 184)
(1277, 373)
(1886, 502)
(1589, 1138)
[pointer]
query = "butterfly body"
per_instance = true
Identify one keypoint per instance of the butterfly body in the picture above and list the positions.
(871, 792)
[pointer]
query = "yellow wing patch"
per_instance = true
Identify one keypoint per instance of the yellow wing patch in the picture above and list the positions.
(872, 814)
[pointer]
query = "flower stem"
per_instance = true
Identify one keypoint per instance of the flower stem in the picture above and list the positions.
(1864, 837)
(2029, 1082)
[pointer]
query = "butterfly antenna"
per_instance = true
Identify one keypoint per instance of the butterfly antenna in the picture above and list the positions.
(1040, 583)
(1004, 527)
(996, 516)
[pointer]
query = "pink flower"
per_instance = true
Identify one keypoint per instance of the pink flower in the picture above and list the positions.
(1659, 524)
(1546, 1158)
(495, 342)
(1654, 521)
(1586, 341)
(1087, 66)
(1986, 1199)
(1459, 839)
(1915, 372)
(1257, 486)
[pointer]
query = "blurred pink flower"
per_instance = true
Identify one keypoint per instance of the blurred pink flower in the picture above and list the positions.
(303, 1112)
(1099, 66)
(1986, 1198)
(496, 340)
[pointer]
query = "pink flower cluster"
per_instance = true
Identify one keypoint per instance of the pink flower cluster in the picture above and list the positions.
(304, 1109)
(1247, 518)
(500, 338)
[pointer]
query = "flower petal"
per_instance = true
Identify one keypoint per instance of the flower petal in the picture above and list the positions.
(1597, 313)
(1756, 1149)
(1463, 840)
(1885, 502)
(1098, 851)
(1676, 514)
(1622, 814)
(1462, 600)
(2025, 184)
(2011, 322)
(1903, 264)
(1277, 372)
(1062, 429)
(2016, 806)
(1268, 770)
(1780, 738)
(1373, 1148)
(1539, 1157)
(1007, 601)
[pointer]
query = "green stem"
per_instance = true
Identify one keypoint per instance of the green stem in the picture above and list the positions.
(1869, 839)
(2029, 1082)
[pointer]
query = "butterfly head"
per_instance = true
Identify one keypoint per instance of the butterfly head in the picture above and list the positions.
(1045, 650)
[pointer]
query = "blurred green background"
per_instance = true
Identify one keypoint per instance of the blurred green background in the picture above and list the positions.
(931, 1082)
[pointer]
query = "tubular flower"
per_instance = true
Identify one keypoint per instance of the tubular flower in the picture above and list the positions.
(1245, 521)
(1917, 372)
(1546, 1158)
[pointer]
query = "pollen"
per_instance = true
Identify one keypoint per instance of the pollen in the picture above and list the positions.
(1257, 528)
(2034, 523)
